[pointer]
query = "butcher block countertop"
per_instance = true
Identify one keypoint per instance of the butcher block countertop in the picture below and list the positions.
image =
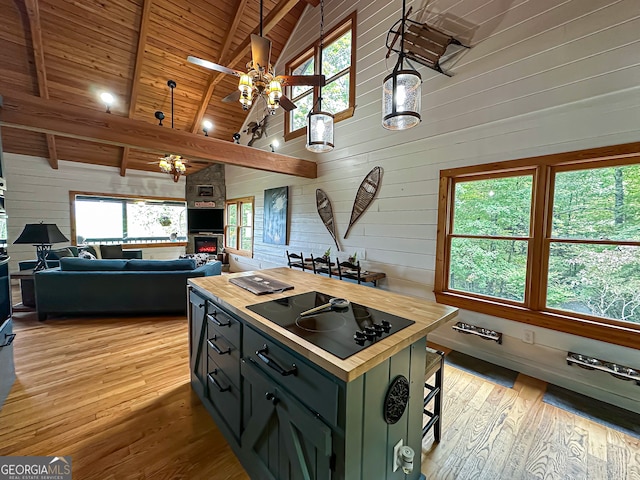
(427, 315)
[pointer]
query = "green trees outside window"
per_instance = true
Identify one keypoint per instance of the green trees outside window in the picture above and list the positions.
(338, 67)
(552, 240)
(239, 226)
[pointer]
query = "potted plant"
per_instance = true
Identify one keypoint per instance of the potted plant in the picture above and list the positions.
(353, 258)
(327, 254)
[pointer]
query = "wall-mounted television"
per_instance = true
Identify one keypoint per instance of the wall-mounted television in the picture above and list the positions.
(210, 220)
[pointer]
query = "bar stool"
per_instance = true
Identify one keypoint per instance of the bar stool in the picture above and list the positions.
(433, 365)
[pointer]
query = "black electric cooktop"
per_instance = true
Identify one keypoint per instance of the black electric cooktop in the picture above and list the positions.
(340, 331)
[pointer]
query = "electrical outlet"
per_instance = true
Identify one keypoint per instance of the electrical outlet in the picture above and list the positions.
(396, 455)
(528, 336)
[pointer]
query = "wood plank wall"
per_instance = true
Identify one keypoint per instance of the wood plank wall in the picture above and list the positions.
(542, 77)
(36, 193)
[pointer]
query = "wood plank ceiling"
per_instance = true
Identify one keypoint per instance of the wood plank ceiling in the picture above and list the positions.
(72, 51)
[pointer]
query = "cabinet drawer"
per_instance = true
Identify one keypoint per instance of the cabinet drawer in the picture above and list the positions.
(196, 299)
(225, 357)
(317, 391)
(225, 397)
(222, 323)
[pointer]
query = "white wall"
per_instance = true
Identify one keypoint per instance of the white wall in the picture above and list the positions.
(542, 77)
(37, 193)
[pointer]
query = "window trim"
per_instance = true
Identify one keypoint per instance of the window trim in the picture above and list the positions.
(348, 23)
(239, 202)
(534, 310)
(125, 246)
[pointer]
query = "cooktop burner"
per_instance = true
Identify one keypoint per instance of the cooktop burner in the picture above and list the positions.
(340, 331)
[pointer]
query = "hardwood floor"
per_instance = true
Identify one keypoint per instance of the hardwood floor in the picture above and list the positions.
(114, 394)
(493, 432)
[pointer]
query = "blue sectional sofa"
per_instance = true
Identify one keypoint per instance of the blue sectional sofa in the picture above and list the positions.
(81, 286)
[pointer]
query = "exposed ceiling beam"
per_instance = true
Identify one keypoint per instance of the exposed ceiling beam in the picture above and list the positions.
(41, 72)
(232, 29)
(142, 40)
(275, 15)
(28, 112)
(313, 3)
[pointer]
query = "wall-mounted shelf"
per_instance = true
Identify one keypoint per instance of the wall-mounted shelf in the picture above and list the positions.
(591, 363)
(484, 333)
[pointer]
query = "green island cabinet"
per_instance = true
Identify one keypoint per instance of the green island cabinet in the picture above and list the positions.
(288, 412)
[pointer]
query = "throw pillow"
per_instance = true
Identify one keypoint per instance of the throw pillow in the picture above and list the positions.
(200, 258)
(86, 254)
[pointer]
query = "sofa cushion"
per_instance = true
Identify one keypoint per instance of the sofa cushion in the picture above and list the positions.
(86, 254)
(160, 265)
(111, 251)
(59, 253)
(88, 248)
(200, 258)
(83, 265)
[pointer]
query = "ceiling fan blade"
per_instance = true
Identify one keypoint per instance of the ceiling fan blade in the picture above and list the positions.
(232, 97)
(287, 104)
(295, 80)
(260, 52)
(213, 66)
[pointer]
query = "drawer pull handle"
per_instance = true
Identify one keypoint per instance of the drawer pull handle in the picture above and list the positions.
(262, 355)
(218, 386)
(217, 349)
(8, 339)
(272, 398)
(220, 324)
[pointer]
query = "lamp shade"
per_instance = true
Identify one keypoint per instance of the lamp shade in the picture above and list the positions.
(41, 234)
(401, 100)
(320, 132)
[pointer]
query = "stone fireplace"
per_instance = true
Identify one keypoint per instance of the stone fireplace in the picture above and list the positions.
(206, 187)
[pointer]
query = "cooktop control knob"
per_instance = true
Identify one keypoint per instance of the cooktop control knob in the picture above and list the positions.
(386, 326)
(378, 328)
(359, 337)
(370, 333)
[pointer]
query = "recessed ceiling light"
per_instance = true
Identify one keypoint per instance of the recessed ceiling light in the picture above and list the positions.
(108, 99)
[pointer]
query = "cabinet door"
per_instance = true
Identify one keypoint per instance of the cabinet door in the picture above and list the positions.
(198, 339)
(282, 438)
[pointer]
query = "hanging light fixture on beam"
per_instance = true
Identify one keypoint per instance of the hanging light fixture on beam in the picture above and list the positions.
(319, 123)
(401, 91)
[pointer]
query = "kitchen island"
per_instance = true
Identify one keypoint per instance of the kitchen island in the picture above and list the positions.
(288, 408)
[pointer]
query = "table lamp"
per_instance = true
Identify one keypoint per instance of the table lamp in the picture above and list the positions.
(41, 235)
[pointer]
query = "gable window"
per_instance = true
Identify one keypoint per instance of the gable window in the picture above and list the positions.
(552, 241)
(143, 221)
(339, 69)
(238, 228)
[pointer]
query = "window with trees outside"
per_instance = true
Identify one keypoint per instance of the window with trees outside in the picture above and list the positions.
(339, 69)
(238, 228)
(143, 221)
(552, 241)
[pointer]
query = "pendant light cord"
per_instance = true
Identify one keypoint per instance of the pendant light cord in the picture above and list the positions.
(261, 18)
(171, 107)
(403, 25)
(321, 48)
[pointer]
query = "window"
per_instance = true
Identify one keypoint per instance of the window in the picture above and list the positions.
(552, 241)
(109, 218)
(338, 67)
(239, 226)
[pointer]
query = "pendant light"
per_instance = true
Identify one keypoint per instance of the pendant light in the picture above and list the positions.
(174, 165)
(401, 91)
(319, 123)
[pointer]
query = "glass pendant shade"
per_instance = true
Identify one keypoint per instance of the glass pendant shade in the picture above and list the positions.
(245, 85)
(320, 132)
(275, 91)
(401, 100)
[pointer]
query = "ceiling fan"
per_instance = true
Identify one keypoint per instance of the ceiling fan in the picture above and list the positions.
(260, 80)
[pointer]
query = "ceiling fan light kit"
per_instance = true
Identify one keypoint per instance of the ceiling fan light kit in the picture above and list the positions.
(260, 81)
(174, 165)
